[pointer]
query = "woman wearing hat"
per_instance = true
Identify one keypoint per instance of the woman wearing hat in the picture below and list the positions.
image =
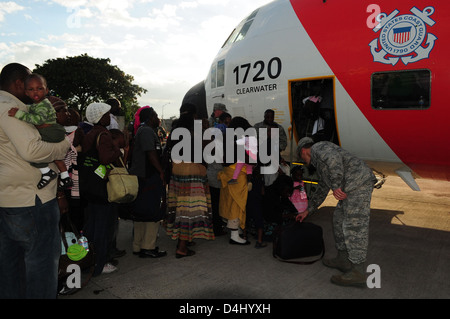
(98, 149)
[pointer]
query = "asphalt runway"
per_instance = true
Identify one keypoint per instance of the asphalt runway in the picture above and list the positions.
(409, 243)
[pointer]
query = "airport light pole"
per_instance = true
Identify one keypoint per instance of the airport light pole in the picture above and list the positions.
(162, 115)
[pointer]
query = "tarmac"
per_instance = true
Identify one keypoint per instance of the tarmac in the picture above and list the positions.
(409, 244)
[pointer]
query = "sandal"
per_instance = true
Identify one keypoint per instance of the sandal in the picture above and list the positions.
(260, 244)
(188, 244)
(46, 179)
(65, 183)
(188, 253)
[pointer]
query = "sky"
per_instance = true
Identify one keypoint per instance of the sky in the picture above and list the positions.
(166, 45)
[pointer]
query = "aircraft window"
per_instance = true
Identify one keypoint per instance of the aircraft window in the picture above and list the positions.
(239, 36)
(221, 73)
(218, 74)
(243, 32)
(231, 36)
(213, 77)
(401, 89)
(253, 15)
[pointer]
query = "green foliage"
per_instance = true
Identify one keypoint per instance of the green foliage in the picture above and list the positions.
(82, 80)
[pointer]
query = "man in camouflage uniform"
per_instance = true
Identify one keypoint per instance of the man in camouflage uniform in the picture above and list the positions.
(352, 182)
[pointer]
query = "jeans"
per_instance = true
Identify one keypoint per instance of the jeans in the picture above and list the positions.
(30, 247)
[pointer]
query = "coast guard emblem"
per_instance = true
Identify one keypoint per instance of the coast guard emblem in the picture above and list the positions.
(403, 37)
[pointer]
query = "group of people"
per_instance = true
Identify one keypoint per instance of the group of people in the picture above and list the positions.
(54, 173)
(202, 196)
(206, 199)
(46, 177)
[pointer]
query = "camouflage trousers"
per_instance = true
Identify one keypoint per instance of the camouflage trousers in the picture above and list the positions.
(351, 223)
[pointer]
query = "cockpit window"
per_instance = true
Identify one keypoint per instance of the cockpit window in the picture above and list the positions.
(243, 32)
(231, 36)
(401, 89)
(239, 33)
(253, 15)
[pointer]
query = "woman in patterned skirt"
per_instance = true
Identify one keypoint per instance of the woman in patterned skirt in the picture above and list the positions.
(189, 200)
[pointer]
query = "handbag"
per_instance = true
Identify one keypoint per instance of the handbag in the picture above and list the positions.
(70, 237)
(299, 240)
(121, 186)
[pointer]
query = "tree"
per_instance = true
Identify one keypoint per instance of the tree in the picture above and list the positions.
(82, 80)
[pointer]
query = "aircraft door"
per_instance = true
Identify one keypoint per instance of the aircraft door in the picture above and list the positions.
(313, 109)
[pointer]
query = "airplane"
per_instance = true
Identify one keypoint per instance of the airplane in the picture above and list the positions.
(372, 73)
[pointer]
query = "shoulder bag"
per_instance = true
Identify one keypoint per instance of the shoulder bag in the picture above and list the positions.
(121, 186)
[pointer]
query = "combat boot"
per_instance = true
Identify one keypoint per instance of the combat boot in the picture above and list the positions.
(340, 262)
(355, 277)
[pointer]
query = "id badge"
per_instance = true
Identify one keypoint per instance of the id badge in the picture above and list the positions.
(101, 171)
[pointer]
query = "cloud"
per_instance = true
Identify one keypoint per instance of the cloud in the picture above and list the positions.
(8, 8)
(118, 13)
(190, 5)
(28, 53)
(166, 45)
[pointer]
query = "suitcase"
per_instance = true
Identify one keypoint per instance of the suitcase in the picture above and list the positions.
(299, 240)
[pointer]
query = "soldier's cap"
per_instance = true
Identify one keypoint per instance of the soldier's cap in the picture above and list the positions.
(220, 107)
(303, 142)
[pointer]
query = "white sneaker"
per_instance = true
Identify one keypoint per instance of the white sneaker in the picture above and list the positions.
(109, 268)
(236, 239)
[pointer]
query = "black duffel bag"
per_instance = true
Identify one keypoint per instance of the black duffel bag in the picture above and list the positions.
(298, 240)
